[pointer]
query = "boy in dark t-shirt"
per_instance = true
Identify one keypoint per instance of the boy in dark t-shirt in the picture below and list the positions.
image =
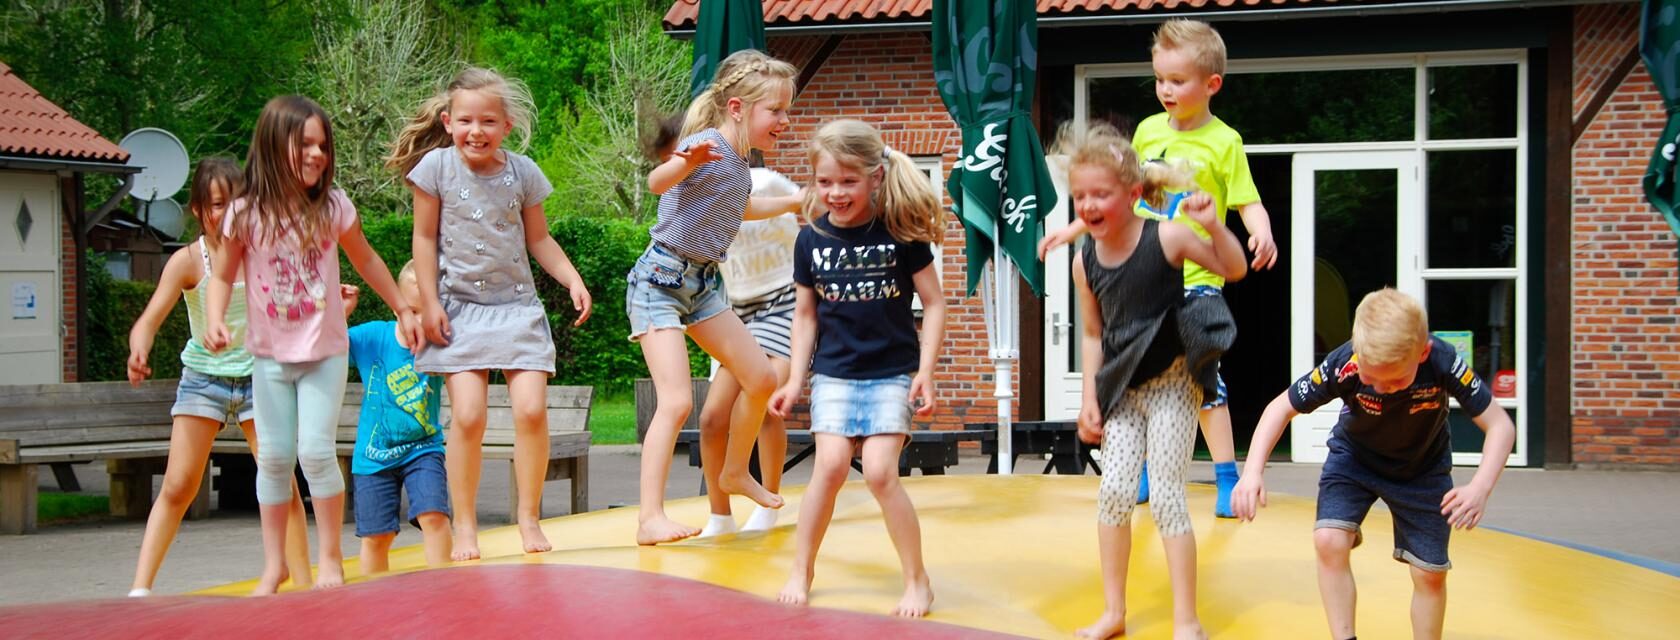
(1390, 442)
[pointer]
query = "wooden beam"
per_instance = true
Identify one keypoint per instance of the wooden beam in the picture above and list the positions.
(1602, 95)
(1556, 278)
(809, 73)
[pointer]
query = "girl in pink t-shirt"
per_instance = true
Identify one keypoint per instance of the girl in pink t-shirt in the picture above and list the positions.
(285, 230)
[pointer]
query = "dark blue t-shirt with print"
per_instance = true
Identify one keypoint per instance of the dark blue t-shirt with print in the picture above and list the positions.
(1400, 435)
(399, 419)
(862, 278)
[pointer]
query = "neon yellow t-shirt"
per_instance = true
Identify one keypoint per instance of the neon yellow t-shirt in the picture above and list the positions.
(1215, 151)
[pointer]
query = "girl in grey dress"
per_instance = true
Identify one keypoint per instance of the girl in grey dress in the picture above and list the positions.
(477, 215)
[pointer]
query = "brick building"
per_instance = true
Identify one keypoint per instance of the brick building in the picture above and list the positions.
(1482, 155)
(45, 156)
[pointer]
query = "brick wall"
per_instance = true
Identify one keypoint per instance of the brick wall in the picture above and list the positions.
(1626, 364)
(67, 302)
(887, 81)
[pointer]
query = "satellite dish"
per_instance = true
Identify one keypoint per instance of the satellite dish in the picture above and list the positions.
(166, 216)
(162, 160)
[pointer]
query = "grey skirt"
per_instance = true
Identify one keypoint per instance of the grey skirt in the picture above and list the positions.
(511, 336)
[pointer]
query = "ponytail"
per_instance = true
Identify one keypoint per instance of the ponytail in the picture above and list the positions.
(1102, 145)
(423, 133)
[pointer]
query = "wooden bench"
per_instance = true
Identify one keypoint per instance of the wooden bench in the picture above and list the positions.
(930, 451)
(63, 424)
(568, 443)
(1059, 439)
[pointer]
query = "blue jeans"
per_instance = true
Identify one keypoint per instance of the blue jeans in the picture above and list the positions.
(379, 494)
(215, 397)
(1347, 489)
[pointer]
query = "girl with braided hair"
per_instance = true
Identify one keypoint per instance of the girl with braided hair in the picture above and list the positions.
(675, 288)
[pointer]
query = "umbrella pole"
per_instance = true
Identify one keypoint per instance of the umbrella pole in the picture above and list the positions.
(1004, 353)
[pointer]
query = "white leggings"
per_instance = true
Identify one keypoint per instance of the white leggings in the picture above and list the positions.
(1157, 421)
(297, 405)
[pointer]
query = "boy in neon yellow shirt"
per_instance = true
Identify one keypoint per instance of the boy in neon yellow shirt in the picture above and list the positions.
(1189, 61)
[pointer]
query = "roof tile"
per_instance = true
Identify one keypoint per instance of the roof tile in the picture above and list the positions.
(792, 12)
(31, 125)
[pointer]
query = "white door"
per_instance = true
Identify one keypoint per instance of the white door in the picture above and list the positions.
(1357, 226)
(1061, 311)
(29, 279)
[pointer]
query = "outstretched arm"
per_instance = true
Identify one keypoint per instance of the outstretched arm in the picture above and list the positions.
(1250, 493)
(179, 273)
(682, 163)
(1062, 236)
(373, 270)
(802, 343)
(1465, 505)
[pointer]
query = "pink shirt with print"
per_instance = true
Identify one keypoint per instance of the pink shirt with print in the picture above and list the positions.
(295, 311)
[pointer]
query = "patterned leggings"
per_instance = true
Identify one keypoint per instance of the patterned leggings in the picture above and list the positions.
(1155, 421)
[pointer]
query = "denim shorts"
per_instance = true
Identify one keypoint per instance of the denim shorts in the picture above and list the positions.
(668, 291)
(379, 495)
(1220, 398)
(221, 399)
(1347, 489)
(860, 408)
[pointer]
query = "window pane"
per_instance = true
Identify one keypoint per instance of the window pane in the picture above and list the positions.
(1369, 105)
(1487, 309)
(1354, 252)
(1472, 209)
(1473, 102)
(1122, 102)
(1466, 436)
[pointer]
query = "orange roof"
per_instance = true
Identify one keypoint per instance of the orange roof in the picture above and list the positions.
(791, 12)
(33, 126)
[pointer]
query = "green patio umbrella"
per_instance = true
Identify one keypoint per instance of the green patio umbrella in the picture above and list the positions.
(985, 58)
(723, 27)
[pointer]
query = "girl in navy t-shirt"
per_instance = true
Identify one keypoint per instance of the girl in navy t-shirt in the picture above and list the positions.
(856, 267)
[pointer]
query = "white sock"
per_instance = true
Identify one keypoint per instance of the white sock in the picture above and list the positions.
(718, 525)
(762, 519)
(139, 593)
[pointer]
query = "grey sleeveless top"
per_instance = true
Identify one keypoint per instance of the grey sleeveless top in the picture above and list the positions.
(1139, 300)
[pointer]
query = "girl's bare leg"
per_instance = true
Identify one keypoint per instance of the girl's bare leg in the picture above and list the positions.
(464, 456)
(880, 470)
(725, 338)
(834, 459)
(714, 436)
(667, 359)
(1114, 549)
(297, 525)
(528, 391)
(189, 450)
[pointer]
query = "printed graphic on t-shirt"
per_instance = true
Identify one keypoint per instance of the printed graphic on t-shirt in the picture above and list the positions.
(857, 273)
(298, 290)
(394, 439)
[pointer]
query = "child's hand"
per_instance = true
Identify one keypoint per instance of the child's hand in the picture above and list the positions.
(137, 368)
(408, 324)
(1463, 506)
(582, 302)
(1090, 423)
(434, 323)
(781, 402)
(921, 394)
(1248, 496)
(699, 153)
(217, 336)
(351, 296)
(1054, 240)
(1199, 206)
(1265, 251)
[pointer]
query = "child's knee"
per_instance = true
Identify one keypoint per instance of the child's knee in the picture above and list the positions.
(433, 521)
(1172, 516)
(881, 480)
(380, 542)
(179, 490)
(470, 419)
(758, 383)
(1333, 544)
(676, 408)
(1430, 582)
(530, 412)
(276, 459)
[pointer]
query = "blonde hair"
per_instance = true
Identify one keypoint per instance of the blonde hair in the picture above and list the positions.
(210, 171)
(273, 190)
(425, 131)
(1203, 43)
(904, 200)
(407, 274)
(1389, 327)
(1101, 145)
(746, 74)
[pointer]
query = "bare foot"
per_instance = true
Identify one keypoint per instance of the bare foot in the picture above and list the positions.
(1189, 632)
(918, 598)
(329, 574)
(270, 581)
(1109, 625)
(464, 544)
(531, 534)
(660, 529)
(745, 485)
(797, 590)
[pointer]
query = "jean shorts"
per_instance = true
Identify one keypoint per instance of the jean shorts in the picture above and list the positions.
(1348, 488)
(860, 408)
(668, 291)
(379, 495)
(225, 400)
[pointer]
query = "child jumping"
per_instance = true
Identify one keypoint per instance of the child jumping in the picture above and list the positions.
(705, 192)
(1189, 61)
(399, 445)
(1391, 442)
(856, 267)
(215, 387)
(285, 231)
(1139, 395)
(478, 214)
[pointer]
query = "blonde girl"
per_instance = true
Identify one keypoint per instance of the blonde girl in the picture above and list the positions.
(285, 231)
(215, 388)
(478, 222)
(856, 266)
(1138, 394)
(674, 288)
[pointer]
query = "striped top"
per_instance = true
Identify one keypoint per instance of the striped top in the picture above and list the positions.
(232, 362)
(699, 217)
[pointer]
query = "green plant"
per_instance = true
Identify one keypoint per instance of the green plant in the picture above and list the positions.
(612, 419)
(52, 506)
(112, 307)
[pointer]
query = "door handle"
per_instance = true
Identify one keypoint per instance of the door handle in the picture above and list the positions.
(1057, 327)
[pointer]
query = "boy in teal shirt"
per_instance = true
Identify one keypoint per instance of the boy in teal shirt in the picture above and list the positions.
(1189, 61)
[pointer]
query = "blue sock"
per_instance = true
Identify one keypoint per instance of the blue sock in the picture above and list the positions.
(1143, 487)
(1225, 479)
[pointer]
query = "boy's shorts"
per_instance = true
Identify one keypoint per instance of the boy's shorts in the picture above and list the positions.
(667, 291)
(1347, 489)
(379, 495)
(1200, 291)
(215, 397)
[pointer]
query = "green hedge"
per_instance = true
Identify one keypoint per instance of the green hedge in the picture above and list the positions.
(113, 306)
